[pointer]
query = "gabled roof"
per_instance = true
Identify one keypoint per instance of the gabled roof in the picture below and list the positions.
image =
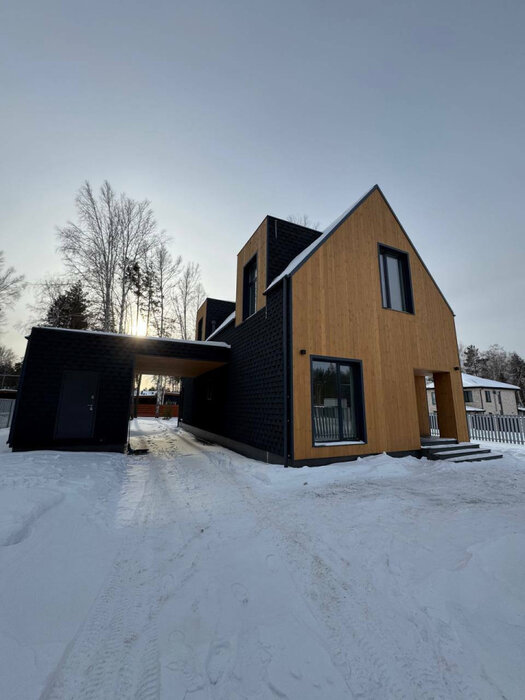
(300, 259)
(470, 381)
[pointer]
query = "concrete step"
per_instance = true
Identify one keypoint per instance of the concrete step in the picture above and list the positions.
(483, 458)
(438, 441)
(446, 448)
(137, 445)
(458, 453)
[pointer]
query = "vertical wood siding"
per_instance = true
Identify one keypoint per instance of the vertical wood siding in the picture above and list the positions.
(337, 311)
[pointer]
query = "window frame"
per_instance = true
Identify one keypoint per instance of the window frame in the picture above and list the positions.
(433, 398)
(488, 396)
(245, 314)
(200, 328)
(360, 400)
(468, 392)
(384, 251)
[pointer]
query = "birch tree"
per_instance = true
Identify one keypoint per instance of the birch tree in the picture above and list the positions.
(189, 294)
(11, 287)
(112, 233)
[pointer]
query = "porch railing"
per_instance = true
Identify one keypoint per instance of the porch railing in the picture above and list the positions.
(490, 428)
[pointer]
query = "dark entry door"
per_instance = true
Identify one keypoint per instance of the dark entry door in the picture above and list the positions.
(77, 407)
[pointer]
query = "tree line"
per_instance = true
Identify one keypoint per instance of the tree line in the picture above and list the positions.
(120, 275)
(494, 363)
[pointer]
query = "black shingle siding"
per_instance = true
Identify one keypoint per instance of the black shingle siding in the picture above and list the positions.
(244, 400)
(216, 311)
(285, 241)
(50, 352)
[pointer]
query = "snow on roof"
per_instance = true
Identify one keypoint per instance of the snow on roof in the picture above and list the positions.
(469, 381)
(226, 322)
(296, 262)
(128, 335)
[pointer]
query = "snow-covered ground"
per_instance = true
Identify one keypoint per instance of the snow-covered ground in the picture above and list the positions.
(192, 572)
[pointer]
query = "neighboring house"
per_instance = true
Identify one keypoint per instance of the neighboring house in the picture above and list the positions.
(323, 356)
(483, 396)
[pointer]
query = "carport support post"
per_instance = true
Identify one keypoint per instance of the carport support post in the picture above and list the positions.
(139, 382)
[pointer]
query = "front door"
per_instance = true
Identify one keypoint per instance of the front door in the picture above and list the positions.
(77, 407)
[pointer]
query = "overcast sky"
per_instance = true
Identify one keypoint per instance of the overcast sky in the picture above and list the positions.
(222, 112)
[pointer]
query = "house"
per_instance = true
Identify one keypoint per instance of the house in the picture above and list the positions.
(331, 339)
(483, 396)
(323, 356)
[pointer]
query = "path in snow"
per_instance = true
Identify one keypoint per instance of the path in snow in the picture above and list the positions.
(196, 573)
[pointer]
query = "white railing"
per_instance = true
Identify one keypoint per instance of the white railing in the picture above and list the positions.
(7, 407)
(490, 428)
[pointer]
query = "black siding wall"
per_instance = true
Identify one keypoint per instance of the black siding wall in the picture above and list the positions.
(216, 311)
(285, 241)
(50, 352)
(244, 400)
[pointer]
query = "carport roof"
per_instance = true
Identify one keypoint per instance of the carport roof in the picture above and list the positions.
(150, 355)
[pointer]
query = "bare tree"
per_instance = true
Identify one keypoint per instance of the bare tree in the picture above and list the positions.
(112, 233)
(189, 294)
(167, 272)
(304, 220)
(11, 286)
(137, 228)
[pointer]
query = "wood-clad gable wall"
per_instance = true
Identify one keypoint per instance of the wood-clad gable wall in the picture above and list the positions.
(256, 245)
(337, 312)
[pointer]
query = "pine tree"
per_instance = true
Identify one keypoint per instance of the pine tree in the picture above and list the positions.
(472, 360)
(69, 309)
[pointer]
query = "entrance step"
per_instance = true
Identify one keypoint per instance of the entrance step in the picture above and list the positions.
(453, 451)
(437, 441)
(137, 445)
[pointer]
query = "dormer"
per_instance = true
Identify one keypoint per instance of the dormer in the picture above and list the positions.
(265, 255)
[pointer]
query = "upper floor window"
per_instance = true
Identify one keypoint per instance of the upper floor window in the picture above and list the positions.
(396, 287)
(488, 397)
(433, 395)
(467, 396)
(249, 288)
(199, 330)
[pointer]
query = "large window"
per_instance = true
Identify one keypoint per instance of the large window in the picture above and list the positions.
(337, 401)
(396, 287)
(249, 296)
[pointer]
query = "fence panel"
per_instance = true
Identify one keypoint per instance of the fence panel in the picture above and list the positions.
(490, 428)
(6, 412)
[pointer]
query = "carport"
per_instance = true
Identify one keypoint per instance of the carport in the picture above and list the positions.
(76, 386)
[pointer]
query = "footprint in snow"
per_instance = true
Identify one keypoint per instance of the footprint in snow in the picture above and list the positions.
(218, 658)
(240, 592)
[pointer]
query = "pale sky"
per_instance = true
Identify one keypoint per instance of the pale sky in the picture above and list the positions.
(223, 112)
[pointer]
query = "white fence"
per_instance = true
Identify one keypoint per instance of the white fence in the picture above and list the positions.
(7, 406)
(490, 428)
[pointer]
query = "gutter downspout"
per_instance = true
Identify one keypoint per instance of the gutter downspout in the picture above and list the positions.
(285, 371)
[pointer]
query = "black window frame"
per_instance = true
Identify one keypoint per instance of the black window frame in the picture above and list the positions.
(488, 396)
(384, 251)
(357, 369)
(466, 394)
(246, 312)
(200, 326)
(433, 397)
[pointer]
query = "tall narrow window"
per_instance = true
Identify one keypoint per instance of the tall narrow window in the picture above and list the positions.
(488, 397)
(467, 396)
(396, 288)
(337, 401)
(199, 330)
(249, 288)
